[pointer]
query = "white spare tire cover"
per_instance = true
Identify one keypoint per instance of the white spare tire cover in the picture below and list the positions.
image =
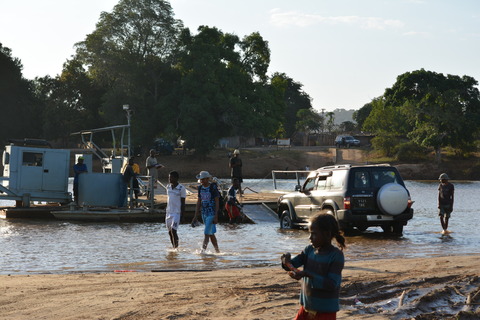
(392, 199)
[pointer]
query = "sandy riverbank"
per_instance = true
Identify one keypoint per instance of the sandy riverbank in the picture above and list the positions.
(433, 288)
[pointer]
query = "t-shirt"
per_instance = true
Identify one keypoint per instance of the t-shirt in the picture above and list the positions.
(77, 169)
(152, 161)
(128, 174)
(174, 198)
(445, 193)
(236, 164)
(231, 196)
(207, 197)
(321, 293)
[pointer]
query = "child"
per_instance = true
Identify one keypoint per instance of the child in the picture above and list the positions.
(208, 203)
(232, 205)
(445, 201)
(322, 270)
(176, 194)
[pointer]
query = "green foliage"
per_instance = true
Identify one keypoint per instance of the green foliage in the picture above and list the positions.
(362, 114)
(219, 95)
(410, 152)
(347, 126)
(72, 102)
(429, 108)
(21, 110)
(293, 98)
(130, 54)
(309, 120)
(385, 144)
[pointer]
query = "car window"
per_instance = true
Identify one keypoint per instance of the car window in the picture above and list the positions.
(362, 180)
(321, 183)
(337, 179)
(382, 177)
(309, 184)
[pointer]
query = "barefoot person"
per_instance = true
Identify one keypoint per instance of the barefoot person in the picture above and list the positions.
(176, 194)
(445, 200)
(322, 270)
(235, 165)
(208, 203)
(233, 206)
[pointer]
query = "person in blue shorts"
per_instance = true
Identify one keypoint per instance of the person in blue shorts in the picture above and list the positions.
(208, 204)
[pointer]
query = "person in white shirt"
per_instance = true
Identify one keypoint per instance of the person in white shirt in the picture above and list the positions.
(152, 166)
(176, 194)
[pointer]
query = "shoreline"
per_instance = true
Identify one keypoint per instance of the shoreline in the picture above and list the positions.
(371, 289)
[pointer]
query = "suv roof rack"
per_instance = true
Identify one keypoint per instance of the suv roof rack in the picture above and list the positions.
(340, 166)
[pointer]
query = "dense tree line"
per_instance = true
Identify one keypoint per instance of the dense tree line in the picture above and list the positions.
(201, 86)
(426, 108)
(208, 84)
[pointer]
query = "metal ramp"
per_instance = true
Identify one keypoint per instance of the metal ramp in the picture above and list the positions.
(259, 213)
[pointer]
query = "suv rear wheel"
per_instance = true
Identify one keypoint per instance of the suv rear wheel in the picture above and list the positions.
(285, 220)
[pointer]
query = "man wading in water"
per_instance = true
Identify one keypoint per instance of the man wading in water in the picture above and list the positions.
(445, 201)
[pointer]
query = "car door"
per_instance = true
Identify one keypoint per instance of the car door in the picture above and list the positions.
(303, 200)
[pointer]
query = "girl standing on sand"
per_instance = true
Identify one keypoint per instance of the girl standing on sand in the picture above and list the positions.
(322, 270)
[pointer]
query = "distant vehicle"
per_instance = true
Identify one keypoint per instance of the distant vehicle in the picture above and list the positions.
(163, 147)
(346, 141)
(357, 196)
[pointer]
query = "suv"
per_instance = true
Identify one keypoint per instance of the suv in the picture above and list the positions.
(358, 196)
(346, 141)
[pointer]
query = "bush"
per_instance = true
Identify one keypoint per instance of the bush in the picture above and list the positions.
(410, 152)
(385, 145)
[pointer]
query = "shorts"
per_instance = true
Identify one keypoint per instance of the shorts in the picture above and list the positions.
(210, 227)
(303, 314)
(233, 211)
(445, 210)
(172, 220)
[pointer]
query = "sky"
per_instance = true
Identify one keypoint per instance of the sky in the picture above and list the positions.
(343, 52)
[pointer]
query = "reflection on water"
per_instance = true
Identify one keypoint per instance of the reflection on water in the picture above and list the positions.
(31, 246)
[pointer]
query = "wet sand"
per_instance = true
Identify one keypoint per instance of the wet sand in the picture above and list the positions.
(420, 288)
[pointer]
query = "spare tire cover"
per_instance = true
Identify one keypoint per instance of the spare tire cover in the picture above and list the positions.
(392, 199)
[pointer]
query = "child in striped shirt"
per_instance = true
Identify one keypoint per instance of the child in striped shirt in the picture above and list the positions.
(322, 270)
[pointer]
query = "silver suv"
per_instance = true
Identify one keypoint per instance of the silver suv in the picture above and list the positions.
(358, 196)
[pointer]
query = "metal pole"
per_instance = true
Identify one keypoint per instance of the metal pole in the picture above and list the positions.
(274, 181)
(126, 107)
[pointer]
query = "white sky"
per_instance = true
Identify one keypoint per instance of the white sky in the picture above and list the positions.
(344, 52)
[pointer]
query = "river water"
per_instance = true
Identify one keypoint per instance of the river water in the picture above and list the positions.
(39, 246)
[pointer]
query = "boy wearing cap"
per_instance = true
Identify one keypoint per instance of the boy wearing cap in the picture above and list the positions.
(445, 200)
(78, 169)
(208, 203)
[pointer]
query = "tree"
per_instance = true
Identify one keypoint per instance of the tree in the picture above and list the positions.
(362, 114)
(440, 110)
(310, 121)
(219, 92)
(294, 99)
(130, 54)
(330, 124)
(21, 110)
(347, 126)
(72, 102)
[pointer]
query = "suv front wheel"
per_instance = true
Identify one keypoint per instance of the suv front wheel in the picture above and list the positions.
(286, 220)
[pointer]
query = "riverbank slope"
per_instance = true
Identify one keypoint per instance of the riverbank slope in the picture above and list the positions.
(258, 163)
